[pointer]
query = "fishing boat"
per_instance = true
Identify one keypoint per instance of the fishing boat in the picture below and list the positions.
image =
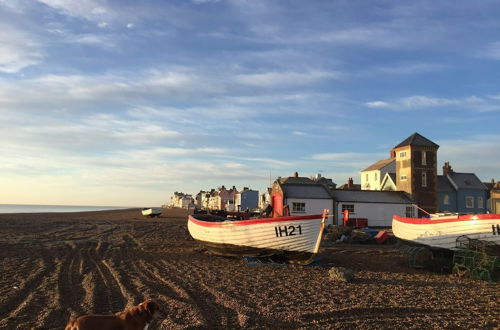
(151, 212)
(293, 238)
(442, 230)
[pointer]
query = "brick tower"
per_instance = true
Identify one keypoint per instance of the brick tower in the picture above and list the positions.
(416, 170)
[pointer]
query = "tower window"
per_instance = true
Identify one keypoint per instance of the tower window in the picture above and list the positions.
(424, 158)
(424, 179)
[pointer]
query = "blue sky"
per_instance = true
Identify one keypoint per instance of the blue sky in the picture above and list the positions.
(124, 102)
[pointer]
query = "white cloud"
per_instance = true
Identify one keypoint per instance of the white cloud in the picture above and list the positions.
(18, 50)
(354, 160)
(473, 103)
(280, 79)
(491, 51)
(89, 9)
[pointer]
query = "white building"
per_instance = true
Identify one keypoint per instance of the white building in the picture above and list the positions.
(377, 207)
(372, 176)
(181, 200)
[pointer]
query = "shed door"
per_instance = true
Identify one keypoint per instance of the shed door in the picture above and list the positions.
(278, 204)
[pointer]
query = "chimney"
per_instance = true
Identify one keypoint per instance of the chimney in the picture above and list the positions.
(350, 183)
(447, 170)
(296, 174)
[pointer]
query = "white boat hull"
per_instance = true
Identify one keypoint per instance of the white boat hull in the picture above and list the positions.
(260, 237)
(442, 232)
(151, 212)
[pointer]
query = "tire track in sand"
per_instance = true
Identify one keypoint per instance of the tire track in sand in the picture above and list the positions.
(101, 284)
(207, 300)
(70, 281)
(235, 312)
(179, 298)
(33, 298)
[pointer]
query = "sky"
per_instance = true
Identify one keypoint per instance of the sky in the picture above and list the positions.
(123, 102)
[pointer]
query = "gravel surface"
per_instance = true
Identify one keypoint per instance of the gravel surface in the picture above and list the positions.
(55, 266)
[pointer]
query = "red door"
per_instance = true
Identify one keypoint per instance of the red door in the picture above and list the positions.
(277, 205)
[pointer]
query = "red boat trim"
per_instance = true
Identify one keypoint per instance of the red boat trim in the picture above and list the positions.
(253, 221)
(427, 221)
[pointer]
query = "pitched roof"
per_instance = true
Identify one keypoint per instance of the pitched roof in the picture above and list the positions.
(296, 180)
(372, 196)
(417, 140)
(305, 191)
(378, 165)
(444, 184)
(390, 177)
(345, 186)
(466, 181)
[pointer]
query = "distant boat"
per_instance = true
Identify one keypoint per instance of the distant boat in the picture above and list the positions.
(151, 212)
(294, 238)
(442, 230)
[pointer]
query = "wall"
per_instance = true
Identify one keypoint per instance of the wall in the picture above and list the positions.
(248, 199)
(462, 193)
(452, 206)
(374, 183)
(313, 206)
(378, 214)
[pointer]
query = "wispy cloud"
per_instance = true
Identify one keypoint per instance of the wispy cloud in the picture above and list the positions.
(281, 79)
(472, 103)
(491, 51)
(18, 51)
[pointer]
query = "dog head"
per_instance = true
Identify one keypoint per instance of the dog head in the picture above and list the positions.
(153, 308)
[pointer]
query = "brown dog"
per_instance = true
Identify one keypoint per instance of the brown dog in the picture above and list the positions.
(135, 318)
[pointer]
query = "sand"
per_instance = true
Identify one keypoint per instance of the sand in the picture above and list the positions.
(55, 266)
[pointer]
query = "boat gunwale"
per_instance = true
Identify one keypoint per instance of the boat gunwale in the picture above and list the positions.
(253, 221)
(429, 221)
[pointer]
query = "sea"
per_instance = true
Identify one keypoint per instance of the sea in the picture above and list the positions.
(28, 208)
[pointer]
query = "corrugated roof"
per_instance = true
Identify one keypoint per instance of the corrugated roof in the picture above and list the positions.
(372, 196)
(466, 181)
(417, 140)
(305, 191)
(378, 165)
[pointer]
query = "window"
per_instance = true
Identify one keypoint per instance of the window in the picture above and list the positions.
(480, 202)
(410, 212)
(424, 179)
(402, 154)
(375, 176)
(402, 178)
(424, 158)
(366, 177)
(446, 199)
(348, 207)
(469, 202)
(299, 207)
